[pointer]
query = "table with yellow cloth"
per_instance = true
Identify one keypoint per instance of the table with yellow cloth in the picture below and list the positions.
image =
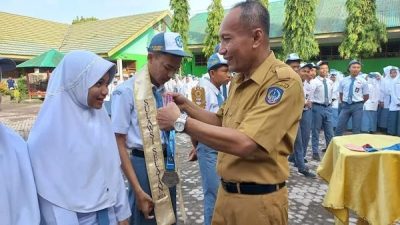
(366, 182)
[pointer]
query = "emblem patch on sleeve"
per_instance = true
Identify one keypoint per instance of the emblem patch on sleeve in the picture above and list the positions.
(274, 95)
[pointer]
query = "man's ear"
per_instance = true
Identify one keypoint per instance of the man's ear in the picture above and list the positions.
(258, 36)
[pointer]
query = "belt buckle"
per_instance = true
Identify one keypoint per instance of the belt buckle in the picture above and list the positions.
(238, 188)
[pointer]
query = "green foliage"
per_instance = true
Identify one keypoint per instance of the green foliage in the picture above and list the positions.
(4, 88)
(214, 19)
(298, 28)
(363, 33)
(22, 88)
(180, 19)
(265, 3)
(83, 19)
(180, 23)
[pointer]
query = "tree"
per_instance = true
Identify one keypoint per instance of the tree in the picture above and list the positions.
(214, 18)
(265, 3)
(83, 19)
(363, 33)
(180, 19)
(298, 28)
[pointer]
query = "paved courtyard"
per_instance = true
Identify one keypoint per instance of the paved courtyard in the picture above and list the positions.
(305, 195)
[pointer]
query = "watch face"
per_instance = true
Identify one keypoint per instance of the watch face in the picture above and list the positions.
(179, 126)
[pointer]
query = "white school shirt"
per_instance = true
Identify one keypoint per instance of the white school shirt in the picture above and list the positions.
(360, 88)
(319, 92)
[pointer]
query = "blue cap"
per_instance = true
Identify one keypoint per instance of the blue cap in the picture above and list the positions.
(168, 42)
(215, 60)
(354, 61)
(293, 57)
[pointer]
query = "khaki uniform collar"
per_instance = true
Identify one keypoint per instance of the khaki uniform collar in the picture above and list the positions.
(258, 75)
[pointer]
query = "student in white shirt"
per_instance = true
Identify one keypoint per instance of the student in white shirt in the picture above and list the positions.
(322, 110)
(394, 106)
(73, 150)
(370, 111)
(353, 92)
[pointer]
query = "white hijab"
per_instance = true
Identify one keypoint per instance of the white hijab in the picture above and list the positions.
(73, 149)
(18, 198)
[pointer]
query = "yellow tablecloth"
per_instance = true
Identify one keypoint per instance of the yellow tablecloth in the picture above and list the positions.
(367, 183)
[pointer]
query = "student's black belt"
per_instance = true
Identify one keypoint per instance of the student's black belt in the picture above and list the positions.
(323, 105)
(140, 153)
(353, 103)
(251, 188)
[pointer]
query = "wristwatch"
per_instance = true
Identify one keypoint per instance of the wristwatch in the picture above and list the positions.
(179, 124)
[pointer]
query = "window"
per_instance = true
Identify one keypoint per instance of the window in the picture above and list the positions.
(200, 60)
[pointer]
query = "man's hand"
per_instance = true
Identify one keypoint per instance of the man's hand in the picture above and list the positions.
(381, 104)
(167, 116)
(124, 222)
(308, 104)
(179, 99)
(145, 204)
(192, 155)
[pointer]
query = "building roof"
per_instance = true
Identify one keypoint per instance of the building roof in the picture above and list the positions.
(26, 36)
(331, 18)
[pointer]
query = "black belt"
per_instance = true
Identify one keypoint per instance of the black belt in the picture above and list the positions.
(353, 103)
(140, 153)
(323, 105)
(251, 188)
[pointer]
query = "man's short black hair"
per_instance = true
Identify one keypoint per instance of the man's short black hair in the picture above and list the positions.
(253, 15)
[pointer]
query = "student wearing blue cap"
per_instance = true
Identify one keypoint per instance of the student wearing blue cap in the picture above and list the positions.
(134, 106)
(218, 73)
(303, 132)
(293, 60)
(353, 92)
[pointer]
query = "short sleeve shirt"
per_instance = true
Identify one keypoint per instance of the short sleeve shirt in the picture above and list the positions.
(123, 113)
(267, 108)
(360, 88)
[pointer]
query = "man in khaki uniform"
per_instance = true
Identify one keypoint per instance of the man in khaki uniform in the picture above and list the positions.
(254, 131)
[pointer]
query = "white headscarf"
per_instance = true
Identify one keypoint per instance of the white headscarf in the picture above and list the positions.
(387, 70)
(73, 149)
(18, 197)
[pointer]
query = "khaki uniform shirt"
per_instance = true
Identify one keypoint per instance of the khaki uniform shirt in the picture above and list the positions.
(267, 108)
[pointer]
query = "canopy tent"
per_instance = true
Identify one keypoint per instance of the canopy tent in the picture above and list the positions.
(50, 59)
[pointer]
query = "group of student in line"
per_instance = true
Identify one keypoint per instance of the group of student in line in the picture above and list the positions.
(334, 103)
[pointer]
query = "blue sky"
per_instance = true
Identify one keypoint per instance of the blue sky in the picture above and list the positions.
(66, 10)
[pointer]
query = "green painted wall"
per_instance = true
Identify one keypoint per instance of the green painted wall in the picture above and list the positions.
(137, 49)
(369, 65)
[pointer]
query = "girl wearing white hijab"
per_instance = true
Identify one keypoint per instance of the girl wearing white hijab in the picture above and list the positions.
(18, 197)
(385, 100)
(73, 150)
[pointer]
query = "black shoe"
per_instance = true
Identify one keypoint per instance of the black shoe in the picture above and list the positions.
(307, 174)
(323, 150)
(316, 157)
(305, 160)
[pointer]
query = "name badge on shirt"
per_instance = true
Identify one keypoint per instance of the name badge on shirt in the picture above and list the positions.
(199, 96)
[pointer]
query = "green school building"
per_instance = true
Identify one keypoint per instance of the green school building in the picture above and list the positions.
(330, 25)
